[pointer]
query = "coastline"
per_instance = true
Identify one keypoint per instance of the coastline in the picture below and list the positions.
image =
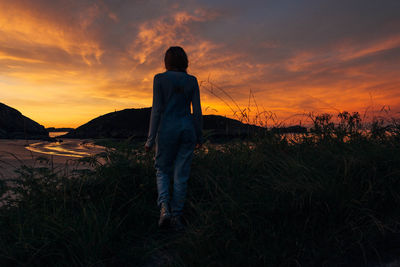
(15, 153)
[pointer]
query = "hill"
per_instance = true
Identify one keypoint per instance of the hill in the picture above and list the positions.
(135, 122)
(14, 125)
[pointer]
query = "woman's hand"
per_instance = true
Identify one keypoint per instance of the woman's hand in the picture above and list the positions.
(198, 146)
(147, 148)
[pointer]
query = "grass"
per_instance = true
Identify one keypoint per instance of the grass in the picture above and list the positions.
(326, 198)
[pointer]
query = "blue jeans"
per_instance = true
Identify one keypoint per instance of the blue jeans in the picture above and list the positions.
(174, 153)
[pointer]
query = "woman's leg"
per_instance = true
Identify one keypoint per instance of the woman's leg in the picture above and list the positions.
(183, 162)
(165, 155)
(163, 178)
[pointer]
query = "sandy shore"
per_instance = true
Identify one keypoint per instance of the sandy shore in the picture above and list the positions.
(14, 153)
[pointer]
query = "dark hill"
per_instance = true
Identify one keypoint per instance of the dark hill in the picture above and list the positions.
(14, 125)
(135, 123)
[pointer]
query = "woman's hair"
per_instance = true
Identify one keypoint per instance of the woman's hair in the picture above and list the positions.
(176, 59)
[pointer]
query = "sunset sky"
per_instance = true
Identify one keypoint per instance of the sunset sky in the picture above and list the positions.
(63, 62)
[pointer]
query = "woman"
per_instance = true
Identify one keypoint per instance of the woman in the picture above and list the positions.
(175, 131)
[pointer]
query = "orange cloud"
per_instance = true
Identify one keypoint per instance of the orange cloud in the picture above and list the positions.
(64, 62)
(19, 25)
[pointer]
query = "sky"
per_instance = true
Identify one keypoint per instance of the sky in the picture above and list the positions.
(65, 62)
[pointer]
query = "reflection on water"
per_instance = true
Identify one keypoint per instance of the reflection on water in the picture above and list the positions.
(67, 148)
(55, 134)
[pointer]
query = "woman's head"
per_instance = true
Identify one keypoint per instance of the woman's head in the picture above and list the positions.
(176, 59)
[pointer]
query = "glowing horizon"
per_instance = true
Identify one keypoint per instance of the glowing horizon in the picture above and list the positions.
(63, 63)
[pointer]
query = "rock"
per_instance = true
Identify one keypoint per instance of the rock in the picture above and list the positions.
(14, 125)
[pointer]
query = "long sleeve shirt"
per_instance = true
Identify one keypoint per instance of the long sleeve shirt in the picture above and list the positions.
(170, 109)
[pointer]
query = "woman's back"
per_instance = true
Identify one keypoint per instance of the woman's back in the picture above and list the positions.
(177, 91)
(173, 93)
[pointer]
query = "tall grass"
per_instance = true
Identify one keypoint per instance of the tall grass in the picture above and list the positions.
(326, 198)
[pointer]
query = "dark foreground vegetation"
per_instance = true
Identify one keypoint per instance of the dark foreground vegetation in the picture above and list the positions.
(326, 198)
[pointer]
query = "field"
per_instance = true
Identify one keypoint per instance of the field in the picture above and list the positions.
(329, 197)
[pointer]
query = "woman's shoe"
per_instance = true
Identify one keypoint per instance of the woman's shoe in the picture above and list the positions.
(177, 223)
(165, 215)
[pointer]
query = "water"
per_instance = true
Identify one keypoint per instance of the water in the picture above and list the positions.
(68, 148)
(55, 134)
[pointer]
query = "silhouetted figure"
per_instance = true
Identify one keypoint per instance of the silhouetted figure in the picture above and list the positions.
(175, 131)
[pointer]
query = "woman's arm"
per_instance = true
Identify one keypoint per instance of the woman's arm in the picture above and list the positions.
(197, 114)
(156, 111)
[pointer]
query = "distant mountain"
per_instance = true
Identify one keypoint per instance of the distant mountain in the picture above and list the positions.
(58, 130)
(135, 122)
(14, 125)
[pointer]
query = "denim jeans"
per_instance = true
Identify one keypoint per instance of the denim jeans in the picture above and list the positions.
(175, 143)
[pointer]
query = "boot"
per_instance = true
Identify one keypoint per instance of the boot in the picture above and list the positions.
(177, 223)
(165, 215)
